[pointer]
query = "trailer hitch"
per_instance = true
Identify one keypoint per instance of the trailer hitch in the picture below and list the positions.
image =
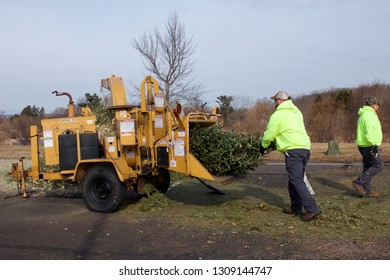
(20, 175)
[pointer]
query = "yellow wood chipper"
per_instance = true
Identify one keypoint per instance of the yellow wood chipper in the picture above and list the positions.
(148, 141)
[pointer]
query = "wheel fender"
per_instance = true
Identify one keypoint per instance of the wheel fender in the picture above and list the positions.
(123, 171)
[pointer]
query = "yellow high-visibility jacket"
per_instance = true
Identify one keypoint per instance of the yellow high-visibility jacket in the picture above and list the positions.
(369, 130)
(286, 129)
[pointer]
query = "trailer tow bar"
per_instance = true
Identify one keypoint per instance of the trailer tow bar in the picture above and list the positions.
(20, 175)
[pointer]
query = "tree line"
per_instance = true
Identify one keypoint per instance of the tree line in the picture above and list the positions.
(329, 115)
(16, 129)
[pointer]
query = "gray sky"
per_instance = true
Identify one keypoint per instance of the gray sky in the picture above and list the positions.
(244, 47)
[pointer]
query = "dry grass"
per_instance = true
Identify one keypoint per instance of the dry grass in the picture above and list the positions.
(14, 152)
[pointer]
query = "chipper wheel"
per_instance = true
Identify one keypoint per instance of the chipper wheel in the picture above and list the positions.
(102, 190)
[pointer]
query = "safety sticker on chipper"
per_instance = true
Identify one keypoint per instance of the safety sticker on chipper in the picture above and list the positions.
(126, 127)
(48, 138)
(179, 147)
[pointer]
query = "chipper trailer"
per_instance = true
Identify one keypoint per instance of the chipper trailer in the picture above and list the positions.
(148, 141)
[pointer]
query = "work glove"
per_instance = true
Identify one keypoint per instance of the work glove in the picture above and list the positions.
(262, 150)
(375, 150)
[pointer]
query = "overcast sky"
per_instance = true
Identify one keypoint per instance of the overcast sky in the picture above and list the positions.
(244, 47)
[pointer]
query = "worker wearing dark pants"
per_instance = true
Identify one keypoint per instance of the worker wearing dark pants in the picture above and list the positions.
(368, 139)
(286, 129)
(372, 164)
(296, 161)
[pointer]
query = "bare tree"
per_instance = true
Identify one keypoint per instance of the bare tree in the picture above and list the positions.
(167, 55)
(59, 112)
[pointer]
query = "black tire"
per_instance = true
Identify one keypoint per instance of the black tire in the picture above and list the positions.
(162, 181)
(102, 190)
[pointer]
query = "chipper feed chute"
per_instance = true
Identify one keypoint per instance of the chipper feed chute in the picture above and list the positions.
(181, 158)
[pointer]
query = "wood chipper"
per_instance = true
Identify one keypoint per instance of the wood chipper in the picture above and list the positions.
(148, 141)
